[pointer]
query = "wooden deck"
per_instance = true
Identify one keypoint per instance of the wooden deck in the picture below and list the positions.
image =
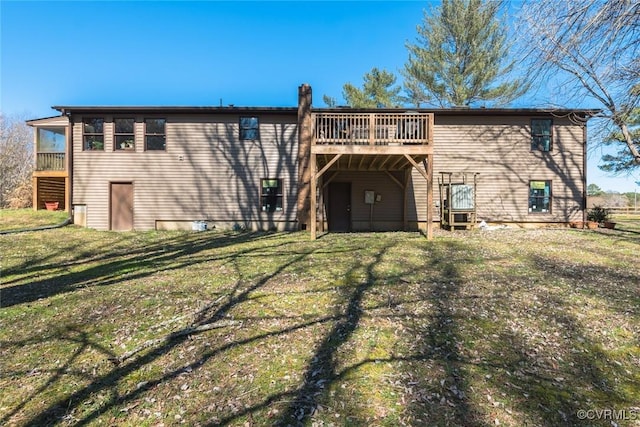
(371, 141)
(374, 129)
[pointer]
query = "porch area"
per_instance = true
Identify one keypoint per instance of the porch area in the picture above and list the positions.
(355, 146)
(51, 177)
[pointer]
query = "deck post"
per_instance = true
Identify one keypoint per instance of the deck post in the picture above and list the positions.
(405, 189)
(428, 165)
(36, 201)
(314, 190)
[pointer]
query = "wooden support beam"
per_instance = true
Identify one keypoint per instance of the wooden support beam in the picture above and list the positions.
(428, 167)
(67, 195)
(394, 164)
(314, 201)
(387, 158)
(36, 200)
(394, 179)
(426, 174)
(328, 165)
(361, 162)
(415, 150)
(326, 182)
(405, 200)
(372, 129)
(417, 166)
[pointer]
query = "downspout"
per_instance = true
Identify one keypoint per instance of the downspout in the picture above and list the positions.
(70, 165)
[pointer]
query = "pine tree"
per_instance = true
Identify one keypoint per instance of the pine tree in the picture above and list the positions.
(461, 57)
(623, 160)
(378, 91)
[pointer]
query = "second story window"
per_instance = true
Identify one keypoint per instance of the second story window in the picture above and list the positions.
(249, 128)
(124, 137)
(541, 134)
(93, 134)
(155, 138)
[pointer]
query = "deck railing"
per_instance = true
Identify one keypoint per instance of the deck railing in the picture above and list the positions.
(50, 161)
(371, 128)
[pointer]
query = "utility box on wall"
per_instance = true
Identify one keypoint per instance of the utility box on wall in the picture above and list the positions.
(369, 197)
(80, 215)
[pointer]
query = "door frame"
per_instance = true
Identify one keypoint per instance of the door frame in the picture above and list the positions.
(330, 212)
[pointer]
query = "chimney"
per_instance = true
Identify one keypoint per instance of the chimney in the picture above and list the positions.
(304, 154)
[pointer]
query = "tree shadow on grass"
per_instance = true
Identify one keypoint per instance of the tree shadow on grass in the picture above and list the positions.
(435, 373)
(108, 382)
(108, 267)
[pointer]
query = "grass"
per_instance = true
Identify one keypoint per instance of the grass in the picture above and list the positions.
(507, 327)
(12, 219)
(627, 222)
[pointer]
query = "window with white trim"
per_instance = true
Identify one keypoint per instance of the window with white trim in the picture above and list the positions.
(271, 194)
(539, 196)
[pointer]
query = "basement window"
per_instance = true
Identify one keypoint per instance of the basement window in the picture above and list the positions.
(541, 134)
(271, 194)
(539, 196)
(249, 129)
(93, 134)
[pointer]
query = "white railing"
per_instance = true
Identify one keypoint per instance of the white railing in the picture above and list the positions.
(50, 161)
(371, 128)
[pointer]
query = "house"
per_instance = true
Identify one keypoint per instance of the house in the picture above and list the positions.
(335, 169)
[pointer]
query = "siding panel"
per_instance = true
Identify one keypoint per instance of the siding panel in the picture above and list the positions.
(206, 173)
(499, 148)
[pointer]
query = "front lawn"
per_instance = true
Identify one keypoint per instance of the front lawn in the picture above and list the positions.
(504, 327)
(18, 219)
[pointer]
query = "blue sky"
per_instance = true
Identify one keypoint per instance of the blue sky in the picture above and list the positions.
(203, 53)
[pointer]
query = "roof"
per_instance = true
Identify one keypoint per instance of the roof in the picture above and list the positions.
(64, 109)
(585, 113)
(462, 111)
(51, 121)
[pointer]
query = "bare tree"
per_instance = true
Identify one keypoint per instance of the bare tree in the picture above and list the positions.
(589, 49)
(16, 162)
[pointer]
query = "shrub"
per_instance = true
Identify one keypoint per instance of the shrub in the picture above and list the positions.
(598, 214)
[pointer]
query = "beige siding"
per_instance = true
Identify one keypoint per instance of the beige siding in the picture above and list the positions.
(499, 148)
(206, 173)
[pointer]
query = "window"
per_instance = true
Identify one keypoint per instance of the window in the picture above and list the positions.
(154, 134)
(541, 134)
(271, 194)
(124, 138)
(51, 140)
(539, 196)
(93, 134)
(249, 128)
